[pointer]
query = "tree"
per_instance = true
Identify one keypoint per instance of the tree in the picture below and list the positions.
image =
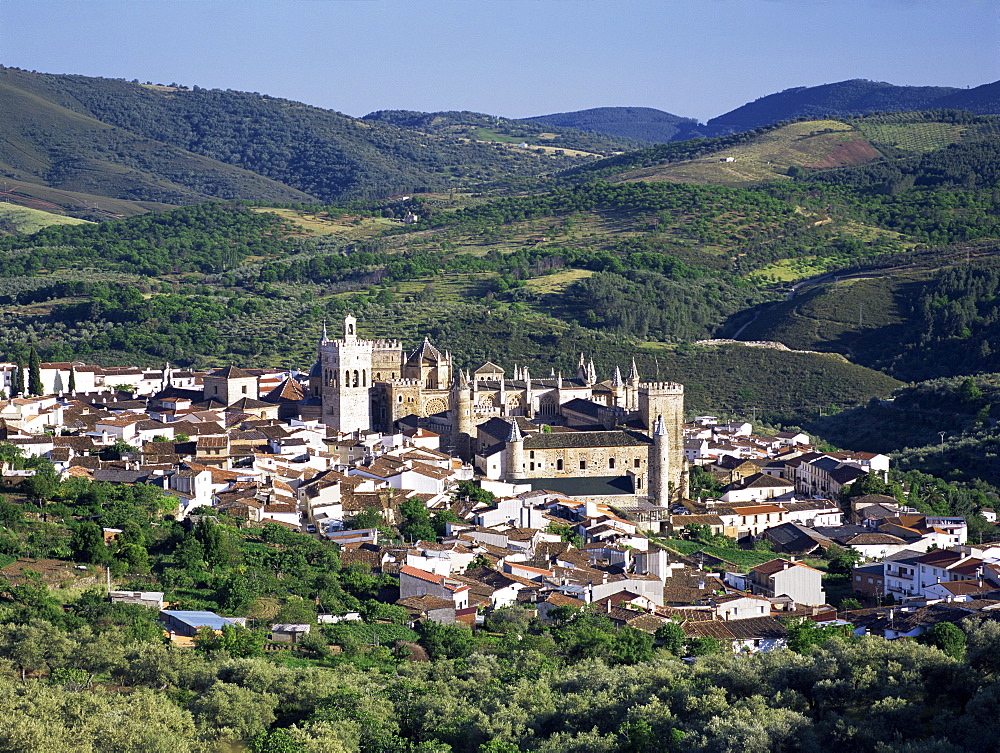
(672, 637)
(234, 640)
(632, 646)
(842, 560)
(947, 637)
(703, 647)
(234, 711)
(417, 525)
(441, 518)
(567, 533)
(34, 372)
(370, 517)
(804, 634)
(446, 641)
(474, 492)
(969, 393)
(44, 484)
(210, 536)
(17, 380)
(116, 450)
(88, 544)
(11, 515)
(275, 741)
(72, 379)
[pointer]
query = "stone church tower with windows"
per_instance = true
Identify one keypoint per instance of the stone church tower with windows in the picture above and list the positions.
(367, 385)
(621, 426)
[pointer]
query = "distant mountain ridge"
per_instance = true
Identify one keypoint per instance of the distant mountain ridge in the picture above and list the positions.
(640, 123)
(840, 99)
(854, 97)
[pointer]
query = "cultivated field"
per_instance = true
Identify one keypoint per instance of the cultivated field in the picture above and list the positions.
(813, 143)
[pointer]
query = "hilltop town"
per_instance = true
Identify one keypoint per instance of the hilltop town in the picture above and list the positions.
(548, 492)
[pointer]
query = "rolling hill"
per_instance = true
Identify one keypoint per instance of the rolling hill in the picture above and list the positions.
(175, 145)
(894, 144)
(477, 126)
(841, 99)
(44, 142)
(636, 123)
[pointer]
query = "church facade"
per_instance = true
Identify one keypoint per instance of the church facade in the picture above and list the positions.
(613, 427)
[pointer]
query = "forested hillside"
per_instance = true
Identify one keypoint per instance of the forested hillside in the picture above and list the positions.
(843, 99)
(942, 426)
(481, 127)
(638, 123)
(163, 132)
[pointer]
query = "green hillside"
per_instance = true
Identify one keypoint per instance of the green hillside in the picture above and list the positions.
(828, 150)
(927, 314)
(481, 127)
(43, 142)
(943, 426)
(637, 123)
(844, 98)
(154, 143)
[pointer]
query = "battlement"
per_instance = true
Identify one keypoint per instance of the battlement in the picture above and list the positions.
(668, 388)
(405, 382)
(387, 344)
(341, 343)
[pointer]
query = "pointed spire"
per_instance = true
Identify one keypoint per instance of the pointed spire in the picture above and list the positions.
(559, 381)
(324, 339)
(633, 375)
(552, 374)
(591, 373)
(515, 432)
(616, 380)
(661, 428)
(526, 375)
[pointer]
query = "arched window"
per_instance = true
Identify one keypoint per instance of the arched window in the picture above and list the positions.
(364, 378)
(350, 329)
(347, 378)
(356, 378)
(378, 376)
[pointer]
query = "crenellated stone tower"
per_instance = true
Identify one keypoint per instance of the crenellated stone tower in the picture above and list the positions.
(346, 365)
(663, 402)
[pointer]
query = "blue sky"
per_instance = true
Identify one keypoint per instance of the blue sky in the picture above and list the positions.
(696, 58)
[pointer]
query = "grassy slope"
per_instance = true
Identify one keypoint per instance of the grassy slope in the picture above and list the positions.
(18, 219)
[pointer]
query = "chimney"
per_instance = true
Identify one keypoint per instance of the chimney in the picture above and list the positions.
(609, 605)
(701, 585)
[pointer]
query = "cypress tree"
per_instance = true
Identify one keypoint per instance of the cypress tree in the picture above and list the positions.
(34, 372)
(17, 380)
(72, 379)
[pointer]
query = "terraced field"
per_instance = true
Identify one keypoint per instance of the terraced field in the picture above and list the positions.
(912, 137)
